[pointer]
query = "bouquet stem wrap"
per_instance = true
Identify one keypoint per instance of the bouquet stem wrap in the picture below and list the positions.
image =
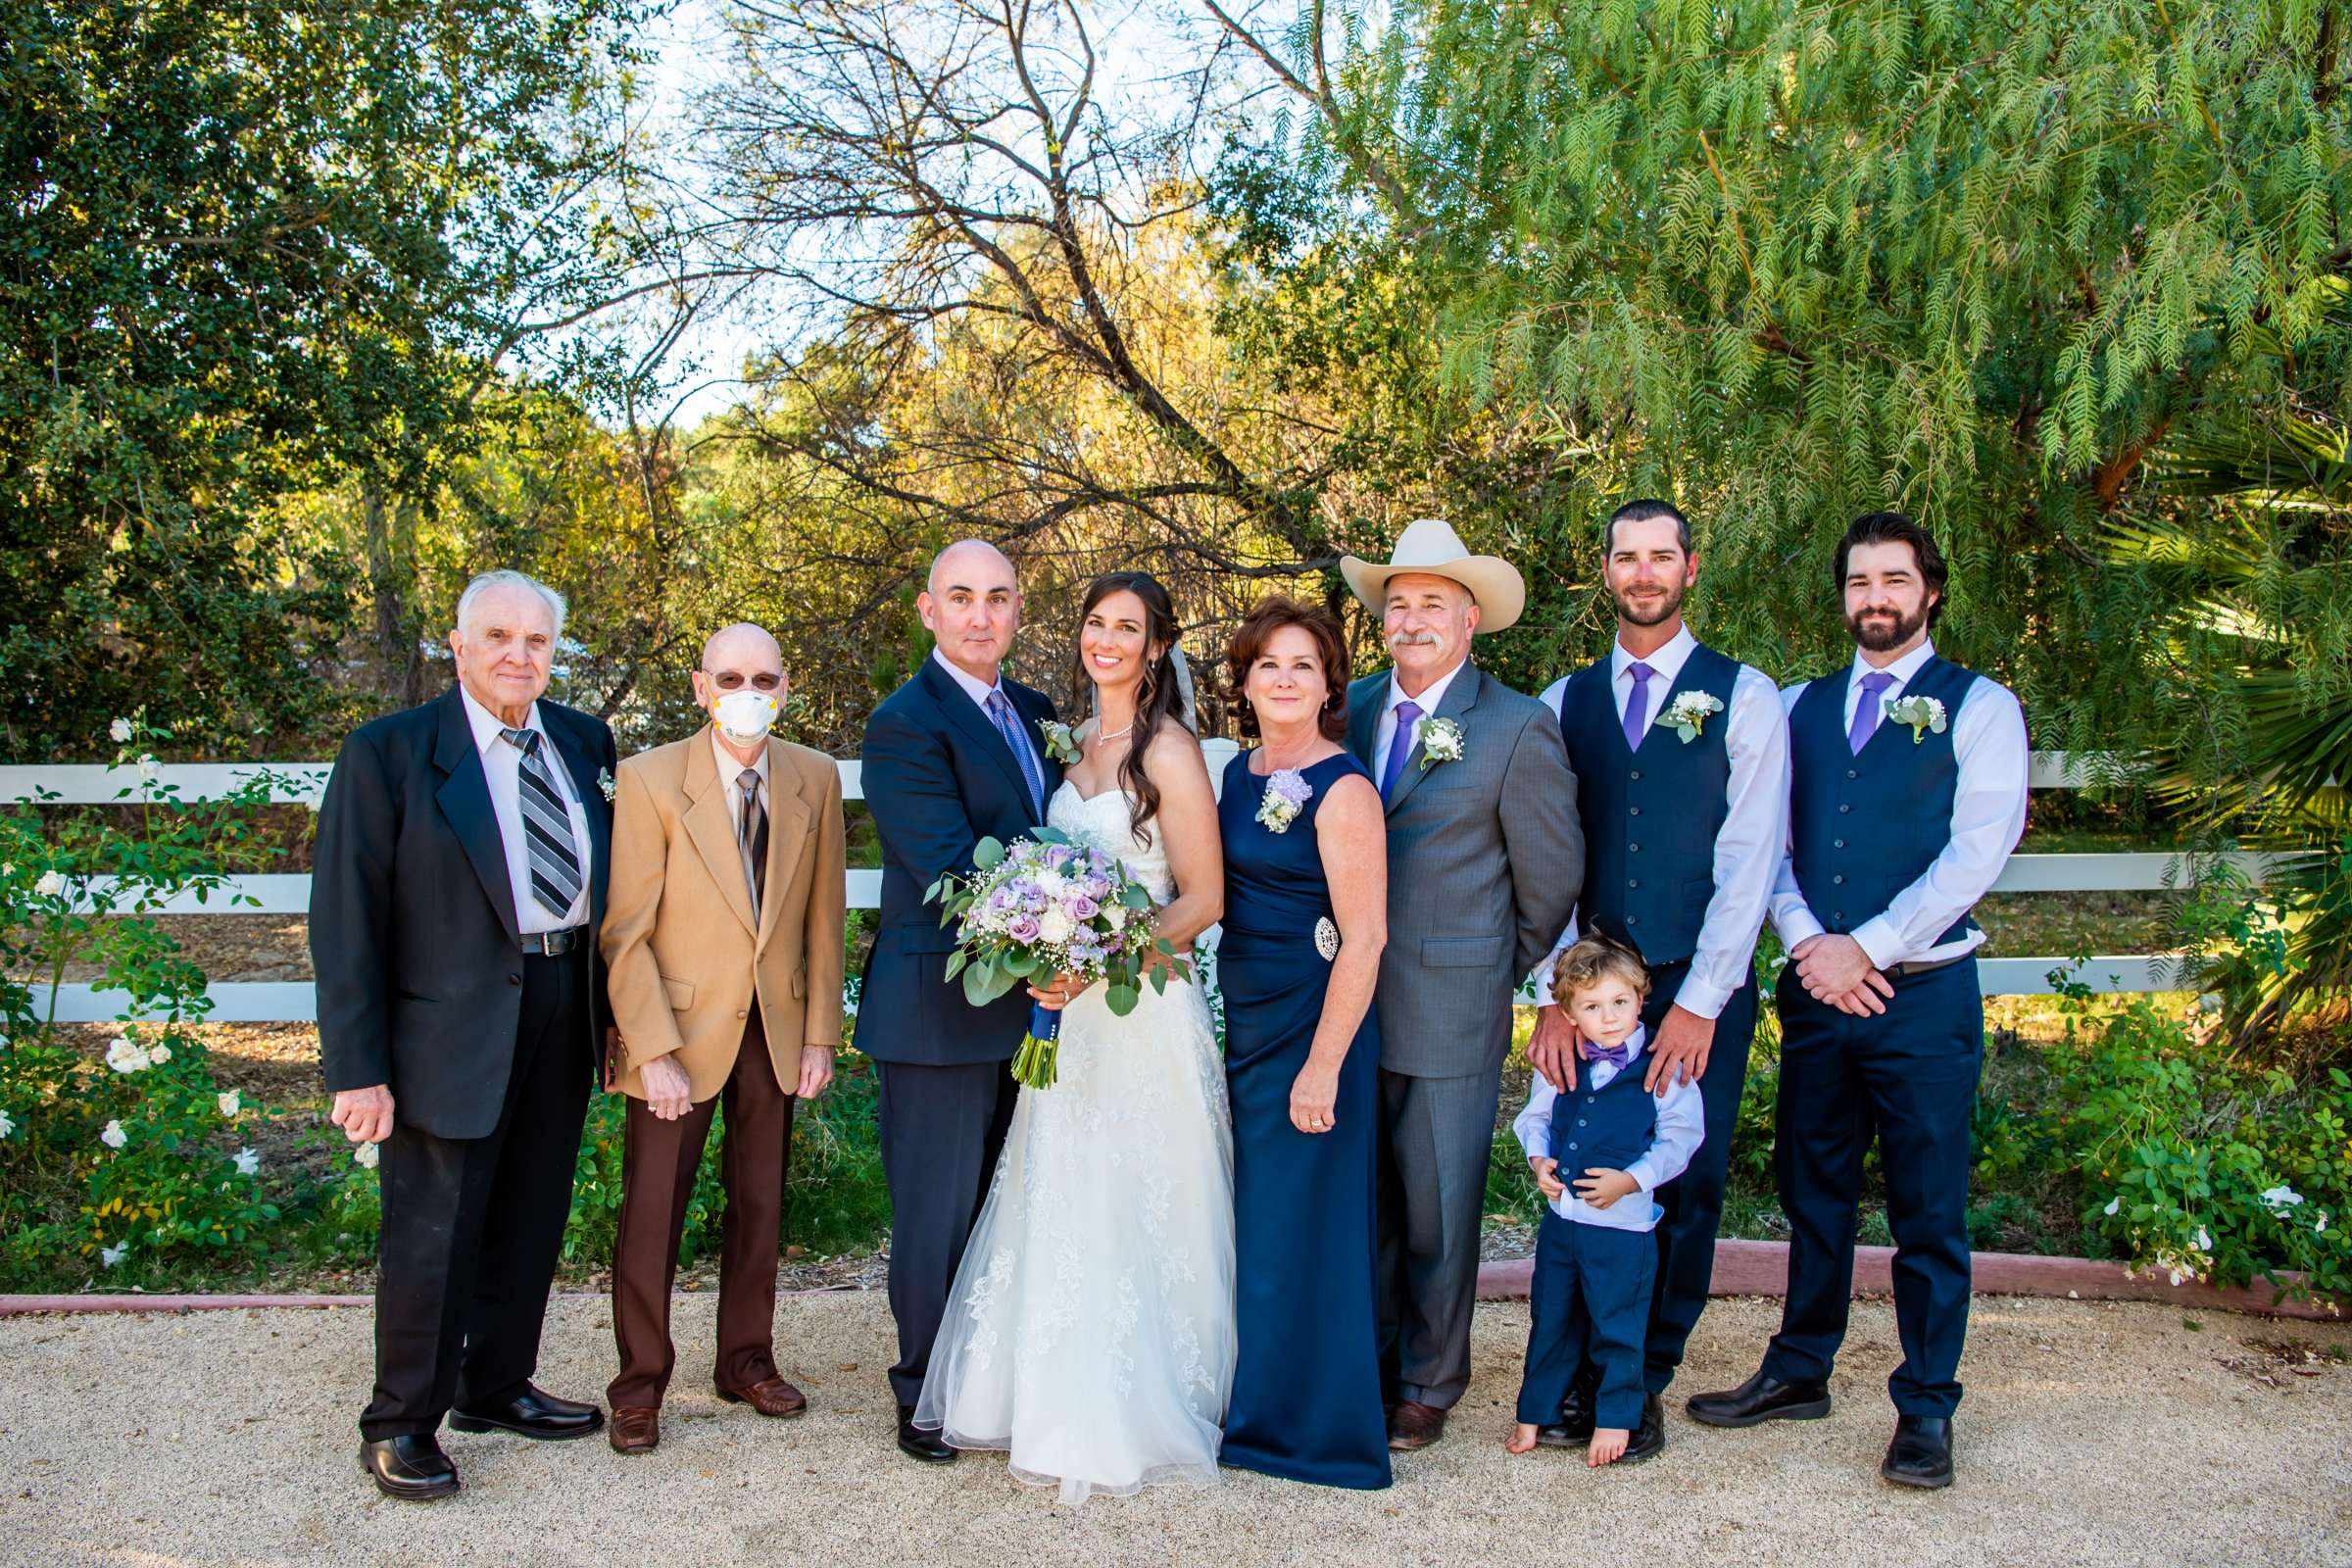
(1034, 1065)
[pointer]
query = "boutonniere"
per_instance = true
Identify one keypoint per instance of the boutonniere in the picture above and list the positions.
(1286, 794)
(1062, 742)
(1440, 742)
(1921, 713)
(604, 781)
(1690, 714)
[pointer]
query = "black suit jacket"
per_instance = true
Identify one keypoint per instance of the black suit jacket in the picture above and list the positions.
(413, 933)
(938, 779)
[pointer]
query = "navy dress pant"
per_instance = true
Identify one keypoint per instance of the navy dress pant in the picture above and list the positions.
(1908, 1077)
(1588, 1304)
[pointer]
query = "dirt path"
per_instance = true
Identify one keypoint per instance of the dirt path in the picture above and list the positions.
(2092, 1433)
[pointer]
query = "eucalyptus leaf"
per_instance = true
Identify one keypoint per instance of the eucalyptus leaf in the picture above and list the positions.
(1122, 999)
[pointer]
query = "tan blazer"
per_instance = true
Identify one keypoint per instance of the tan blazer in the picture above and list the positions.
(686, 961)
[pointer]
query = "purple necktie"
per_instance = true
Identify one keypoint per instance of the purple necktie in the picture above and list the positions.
(1399, 747)
(1636, 707)
(1866, 711)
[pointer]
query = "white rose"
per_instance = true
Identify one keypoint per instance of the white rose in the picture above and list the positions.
(248, 1162)
(124, 1056)
(120, 730)
(230, 1103)
(159, 1054)
(1054, 926)
(114, 1137)
(1114, 916)
(51, 884)
(149, 768)
(366, 1156)
(1052, 884)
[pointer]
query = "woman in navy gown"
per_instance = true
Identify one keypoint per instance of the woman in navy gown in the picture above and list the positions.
(1305, 917)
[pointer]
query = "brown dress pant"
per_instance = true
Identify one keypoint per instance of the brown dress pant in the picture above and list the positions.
(658, 1165)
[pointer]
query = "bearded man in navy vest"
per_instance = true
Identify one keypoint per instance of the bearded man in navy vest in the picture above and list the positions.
(1683, 758)
(1908, 792)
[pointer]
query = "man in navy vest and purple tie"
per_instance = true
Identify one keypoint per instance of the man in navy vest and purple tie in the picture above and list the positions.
(1682, 756)
(1907, 794)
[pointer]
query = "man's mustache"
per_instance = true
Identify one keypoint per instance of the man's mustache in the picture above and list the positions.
(1413, 639)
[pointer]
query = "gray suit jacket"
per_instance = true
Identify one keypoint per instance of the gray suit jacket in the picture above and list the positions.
(1485, 860)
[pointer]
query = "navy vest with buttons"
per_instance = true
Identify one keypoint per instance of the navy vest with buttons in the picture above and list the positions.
(1610, 1127)
(1651, 815)
(1864, 826)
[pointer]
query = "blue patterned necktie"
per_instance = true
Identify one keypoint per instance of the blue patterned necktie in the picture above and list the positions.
(554, 857)
(1401, 748)
(1008, 726)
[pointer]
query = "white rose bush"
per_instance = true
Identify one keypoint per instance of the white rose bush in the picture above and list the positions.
(123, 1157)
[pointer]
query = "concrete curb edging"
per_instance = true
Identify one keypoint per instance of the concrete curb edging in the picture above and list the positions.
(1761, 1268)
(1742, 1269)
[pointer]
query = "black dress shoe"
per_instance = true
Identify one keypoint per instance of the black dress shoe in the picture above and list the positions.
(1921, 1454)
(918, 1442)
(1762, 1397)
(1649, 1439)
(1574, 1425)
(411, 1468)
(533, 1414)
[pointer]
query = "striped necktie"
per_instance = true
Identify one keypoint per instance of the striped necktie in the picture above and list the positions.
(1000, 708)
(554, 856)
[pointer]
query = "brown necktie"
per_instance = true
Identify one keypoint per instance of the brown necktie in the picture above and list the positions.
(751, 836)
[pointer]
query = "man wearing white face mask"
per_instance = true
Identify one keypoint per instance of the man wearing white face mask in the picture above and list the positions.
(724, 937)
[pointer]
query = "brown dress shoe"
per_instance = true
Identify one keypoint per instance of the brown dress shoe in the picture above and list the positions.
(635, 1429)
(768, 1396)
(1412, 1425)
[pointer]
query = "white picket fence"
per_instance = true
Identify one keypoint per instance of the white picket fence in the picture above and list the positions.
(272, 1002)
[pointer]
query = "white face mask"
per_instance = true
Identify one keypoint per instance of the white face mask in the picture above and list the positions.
(745, 715)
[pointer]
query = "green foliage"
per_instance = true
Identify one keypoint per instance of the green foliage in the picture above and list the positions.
(252, 249)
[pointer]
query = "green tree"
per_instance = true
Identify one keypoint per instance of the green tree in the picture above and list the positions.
(253, 248)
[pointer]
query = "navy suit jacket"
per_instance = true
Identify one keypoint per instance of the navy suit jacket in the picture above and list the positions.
(938, 779)
(413, 939)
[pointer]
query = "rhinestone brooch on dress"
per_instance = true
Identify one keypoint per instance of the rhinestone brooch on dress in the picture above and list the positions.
(1327, 938)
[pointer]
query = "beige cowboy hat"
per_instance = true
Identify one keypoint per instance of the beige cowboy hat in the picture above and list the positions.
(1430, 545)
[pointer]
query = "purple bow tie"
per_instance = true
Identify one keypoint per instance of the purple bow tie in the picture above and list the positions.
(1616, 1055)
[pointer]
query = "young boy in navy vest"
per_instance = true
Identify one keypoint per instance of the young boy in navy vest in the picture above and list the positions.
(1908, 792)
(1681, 768)
(1599, 1152)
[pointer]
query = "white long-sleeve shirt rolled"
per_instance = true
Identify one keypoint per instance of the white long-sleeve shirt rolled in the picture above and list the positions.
(1682, 1128)
(1989, 818)
(1755, 827)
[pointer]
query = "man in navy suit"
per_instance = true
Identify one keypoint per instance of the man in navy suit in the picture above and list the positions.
(950, 758)
(463, 847)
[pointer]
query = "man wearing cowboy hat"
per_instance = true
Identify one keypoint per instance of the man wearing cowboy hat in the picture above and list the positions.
(1485, 860)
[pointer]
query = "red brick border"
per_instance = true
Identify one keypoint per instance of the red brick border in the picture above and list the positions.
(1742, 1269)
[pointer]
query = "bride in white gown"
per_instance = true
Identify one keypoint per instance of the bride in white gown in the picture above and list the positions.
(1090, 1331)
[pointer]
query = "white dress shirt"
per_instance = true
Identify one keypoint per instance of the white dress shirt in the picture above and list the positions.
(502, 766)
(979, 691)
(1682, 1128)
(730, 772)
(1755, 825)
(1385, 734)
(1989, 818)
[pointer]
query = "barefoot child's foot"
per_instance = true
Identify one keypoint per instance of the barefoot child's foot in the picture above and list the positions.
(1608, 1445)
(1522, 1437)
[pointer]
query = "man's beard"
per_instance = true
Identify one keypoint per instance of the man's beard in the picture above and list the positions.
(1877, 636)
(1665, 608)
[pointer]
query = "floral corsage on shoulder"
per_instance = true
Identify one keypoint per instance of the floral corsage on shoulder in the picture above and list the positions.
(1691, 711)
(605, 784)
(1921, 713)
(1286, 794)
(1440, 742)
(1062, 741)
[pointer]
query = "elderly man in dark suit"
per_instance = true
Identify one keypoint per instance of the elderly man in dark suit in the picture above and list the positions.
(951, 757)
(461, 868)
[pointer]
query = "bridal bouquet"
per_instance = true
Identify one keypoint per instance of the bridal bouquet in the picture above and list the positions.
(1047, 906)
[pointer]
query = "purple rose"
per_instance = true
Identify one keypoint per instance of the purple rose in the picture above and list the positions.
(1098, 887)
(1022, 928)
(1058, 855)
(1082, 908)
(1034, 901)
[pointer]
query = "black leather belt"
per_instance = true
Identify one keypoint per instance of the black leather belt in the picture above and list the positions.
(554, 944)
(1912, 966)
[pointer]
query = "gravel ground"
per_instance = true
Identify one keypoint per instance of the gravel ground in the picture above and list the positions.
(2094, 1433)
